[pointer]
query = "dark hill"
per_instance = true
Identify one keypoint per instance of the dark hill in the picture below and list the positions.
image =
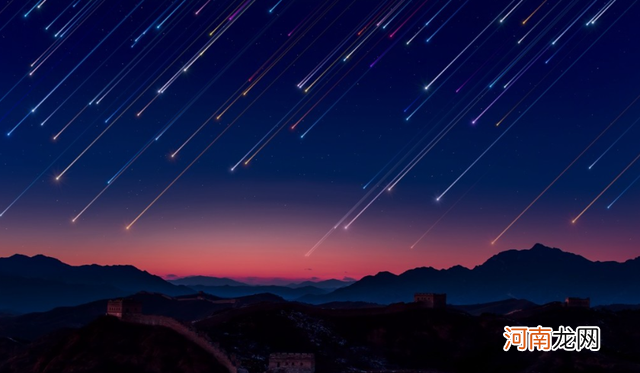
(108, 345)
(185, 308)
(21, 295)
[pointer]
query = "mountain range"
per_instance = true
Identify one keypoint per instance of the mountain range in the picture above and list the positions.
(331, 284)
(540, 275)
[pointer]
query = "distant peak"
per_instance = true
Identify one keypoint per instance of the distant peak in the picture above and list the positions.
(44, 257)
(386, 273)
(539, 253)
(37, 257)
(380, 275)
(539, 246)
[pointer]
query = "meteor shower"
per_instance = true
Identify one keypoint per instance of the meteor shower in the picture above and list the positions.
(330, 144)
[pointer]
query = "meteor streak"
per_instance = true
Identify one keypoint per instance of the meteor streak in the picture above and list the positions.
(478, 70)
(15, 15)
(179, 176)
(600, 13)
(293, 127)
(275, 6)
(572, 23)
(159, 25)
(534, 12)
(55, 19)
(428, 22)
(445, 22)
(339, 223)
(605, 189)
(623, 192)
(81, 15)
(462, 52)
(445, 214)
(509, 84)
(407, 20)
(538, 23)
(205, 4)
(37, 5)
(396, 15)
(6, 6)
(242, 7)
(389, 13)
(43, 173)
(277, 125)
(333, 52)
(433, 92)
(334, 104)
(511, 11)
(69, 123)
(614, 143)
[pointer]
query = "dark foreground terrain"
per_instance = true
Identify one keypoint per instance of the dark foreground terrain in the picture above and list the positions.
(363, 339)
(409, 337)
(107, 345)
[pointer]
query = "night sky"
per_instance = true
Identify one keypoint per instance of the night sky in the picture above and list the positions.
(241, 137)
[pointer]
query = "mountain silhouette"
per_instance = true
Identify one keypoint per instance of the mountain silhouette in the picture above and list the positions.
(325, 284)
(540, 274)
(39, 283)
(228, 288)
(243, 291)
(206, 281)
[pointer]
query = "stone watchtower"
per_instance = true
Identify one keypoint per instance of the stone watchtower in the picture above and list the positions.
(292, 363)
(123, 307)
(431, 300)
(577, 302)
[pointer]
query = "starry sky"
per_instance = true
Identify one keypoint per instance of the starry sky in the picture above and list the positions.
(317, 139)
